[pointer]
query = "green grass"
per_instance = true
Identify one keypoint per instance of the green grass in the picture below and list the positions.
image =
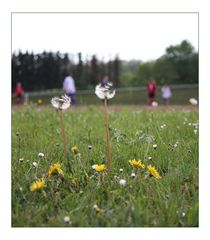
(145, 201)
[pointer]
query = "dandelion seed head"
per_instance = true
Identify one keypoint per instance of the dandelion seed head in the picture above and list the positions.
(122, 182)
(193, 101)
(41, 155)
(150, 158)
(35, 164)
(66, 219)
(154, 146)
(133, 175)
(154, 104)
(105, 91)
(61, 103)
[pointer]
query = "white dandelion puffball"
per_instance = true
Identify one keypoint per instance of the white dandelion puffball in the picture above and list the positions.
(154, 146)
(94, 166)
(89, 147)
(154, 104)
(106, 91)
(61, 103)
(66, 219)
(41, 155)
(193, 101)
(133, 175)
(122, 182)
(35, 164)
(95, 206)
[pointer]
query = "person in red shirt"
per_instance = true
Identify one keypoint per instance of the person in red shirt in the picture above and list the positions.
(19, 92)
(151, 90)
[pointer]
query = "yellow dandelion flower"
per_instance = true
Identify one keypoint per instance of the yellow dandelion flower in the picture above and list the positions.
(153, 172)
(39, 184)
(74, 149)
(55, 169)
(100, 168)
(136, 163)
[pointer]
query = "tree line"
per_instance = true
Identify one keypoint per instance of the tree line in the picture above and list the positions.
(47, 70)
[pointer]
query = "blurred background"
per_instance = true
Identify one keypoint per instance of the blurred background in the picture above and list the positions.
(120, 48)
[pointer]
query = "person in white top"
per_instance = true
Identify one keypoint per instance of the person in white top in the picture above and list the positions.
(166, 93)
(69, 88)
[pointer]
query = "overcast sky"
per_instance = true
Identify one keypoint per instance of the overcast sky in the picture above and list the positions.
(142, 36)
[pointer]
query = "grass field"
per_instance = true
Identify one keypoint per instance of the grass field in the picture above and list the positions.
(85, 198)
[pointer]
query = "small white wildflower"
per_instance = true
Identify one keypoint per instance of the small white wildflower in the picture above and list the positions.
(41, 155)
(133, 175)
(20, 189)
(149, 158)
(122, 182)
(35, 164)
(21, 159)
(175, 145)
(61, 103)
(89, 147)
(195, 131)
(121, 170)
(105, 91)
(161, 126)
(154, 146)
(189, 124)
(154, 104)
(183, 214)
(193, 101)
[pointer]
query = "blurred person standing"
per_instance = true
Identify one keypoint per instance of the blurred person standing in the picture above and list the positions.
(105, 80)
(19, 93)
(151, 90)
(166, 93)
(69, 88)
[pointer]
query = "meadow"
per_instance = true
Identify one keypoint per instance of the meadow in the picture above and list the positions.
(82, 197)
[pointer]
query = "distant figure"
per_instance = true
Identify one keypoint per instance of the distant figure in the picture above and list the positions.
(105, 80)
(19, 93)
(69, 88)
(166, 93)
(151, 90)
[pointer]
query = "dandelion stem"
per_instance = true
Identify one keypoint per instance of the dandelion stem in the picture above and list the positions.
(107, 137)
(63, 132)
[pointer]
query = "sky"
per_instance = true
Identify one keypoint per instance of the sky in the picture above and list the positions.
(141, 36)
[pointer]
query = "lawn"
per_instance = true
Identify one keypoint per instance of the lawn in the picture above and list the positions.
(82, 197)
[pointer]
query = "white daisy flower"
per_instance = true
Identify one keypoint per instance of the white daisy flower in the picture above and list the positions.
(105, 91)
(150, 158)
(122, 182)
(193, 101)
(41, 155)
(61, 103)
